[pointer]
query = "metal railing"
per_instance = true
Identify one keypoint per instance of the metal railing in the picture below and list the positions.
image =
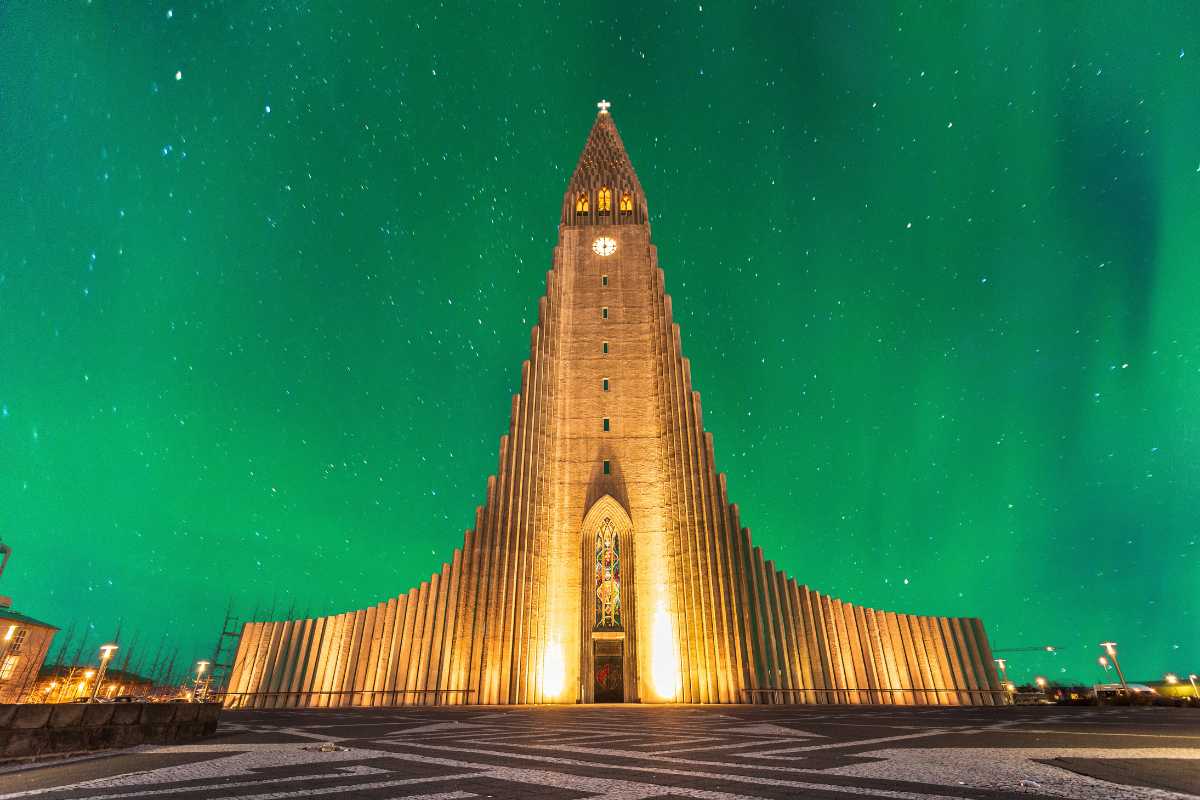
(324, 699)
(874, 694)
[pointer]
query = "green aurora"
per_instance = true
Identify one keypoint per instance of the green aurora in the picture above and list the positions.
(935, 266)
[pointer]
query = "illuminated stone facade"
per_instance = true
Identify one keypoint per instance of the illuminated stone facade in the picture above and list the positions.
(608, 562)
(24, 643)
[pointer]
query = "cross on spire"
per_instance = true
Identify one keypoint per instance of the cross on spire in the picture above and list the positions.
(603, 105)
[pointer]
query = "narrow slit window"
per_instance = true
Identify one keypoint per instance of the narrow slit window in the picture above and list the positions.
(604, 312)
(606, 384)
(607, 468)
(607, 425)
(604, 280)
(604, 347)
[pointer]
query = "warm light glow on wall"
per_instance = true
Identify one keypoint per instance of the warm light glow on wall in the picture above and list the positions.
(554, 668)
(664, 661)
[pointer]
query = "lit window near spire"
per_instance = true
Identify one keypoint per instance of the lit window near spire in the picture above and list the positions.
(604, 200)
(581, 203)
(626, 203)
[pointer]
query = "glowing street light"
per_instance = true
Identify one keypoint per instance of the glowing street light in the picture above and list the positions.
(1192, 680)
(1171, 678)
(200, 667)
(106, 654)
(1111, 649)
(1041, 682)
(1003, 677)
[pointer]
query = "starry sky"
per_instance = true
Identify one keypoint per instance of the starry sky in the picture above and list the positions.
(268, 270)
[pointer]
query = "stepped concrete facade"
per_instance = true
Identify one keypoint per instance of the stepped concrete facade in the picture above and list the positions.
(608, 563)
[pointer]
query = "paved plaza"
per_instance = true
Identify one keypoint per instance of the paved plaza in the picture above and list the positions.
(653, 753)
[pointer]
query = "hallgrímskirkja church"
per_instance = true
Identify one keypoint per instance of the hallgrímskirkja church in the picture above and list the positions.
(608, 564)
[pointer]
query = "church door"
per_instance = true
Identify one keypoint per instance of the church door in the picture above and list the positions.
(609, 658)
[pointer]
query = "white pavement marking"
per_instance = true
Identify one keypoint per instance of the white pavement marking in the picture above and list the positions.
(729, 746)
(242, 761)
(439, 727)
(352, 771)
(345, 789)
(1003, 768)
(767, 729)
(669, 789)
(786, 753)
(1195, 739)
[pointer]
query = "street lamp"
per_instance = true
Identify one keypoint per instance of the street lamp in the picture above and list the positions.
(1111, 649)
(200, 667)
(1192, 680)
(1041, 682)
(106, 654)
(1004, 675)
(1171, 678)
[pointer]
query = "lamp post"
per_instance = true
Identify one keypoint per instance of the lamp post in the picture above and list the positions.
(106, 654)
(1003, 664)
(1041, 683)
(200, 667)
(1111, 649)
(1192, 680)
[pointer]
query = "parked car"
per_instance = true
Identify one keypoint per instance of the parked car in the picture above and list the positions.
(1137, 694)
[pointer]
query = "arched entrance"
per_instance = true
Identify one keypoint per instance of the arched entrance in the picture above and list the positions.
(608, 658)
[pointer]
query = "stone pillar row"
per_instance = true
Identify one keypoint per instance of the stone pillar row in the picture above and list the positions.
(746, 632)
(472, 633)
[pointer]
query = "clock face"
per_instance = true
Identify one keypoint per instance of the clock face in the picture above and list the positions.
(604, 246)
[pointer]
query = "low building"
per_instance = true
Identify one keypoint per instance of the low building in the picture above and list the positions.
(62, 684)
(24, 643)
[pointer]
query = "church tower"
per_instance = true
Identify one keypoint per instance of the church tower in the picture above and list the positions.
(607, 564)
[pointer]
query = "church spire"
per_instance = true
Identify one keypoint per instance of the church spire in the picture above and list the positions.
(604, 189)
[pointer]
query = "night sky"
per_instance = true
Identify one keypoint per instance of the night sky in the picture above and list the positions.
(267, 276)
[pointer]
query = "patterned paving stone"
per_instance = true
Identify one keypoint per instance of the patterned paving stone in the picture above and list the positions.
(652, 753)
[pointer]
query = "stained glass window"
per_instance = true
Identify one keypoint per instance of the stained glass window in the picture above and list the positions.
(581, 203)
(604, 200)
(608, 576)
(626, 202)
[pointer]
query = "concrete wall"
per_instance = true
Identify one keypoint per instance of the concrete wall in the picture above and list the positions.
(37, 729)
